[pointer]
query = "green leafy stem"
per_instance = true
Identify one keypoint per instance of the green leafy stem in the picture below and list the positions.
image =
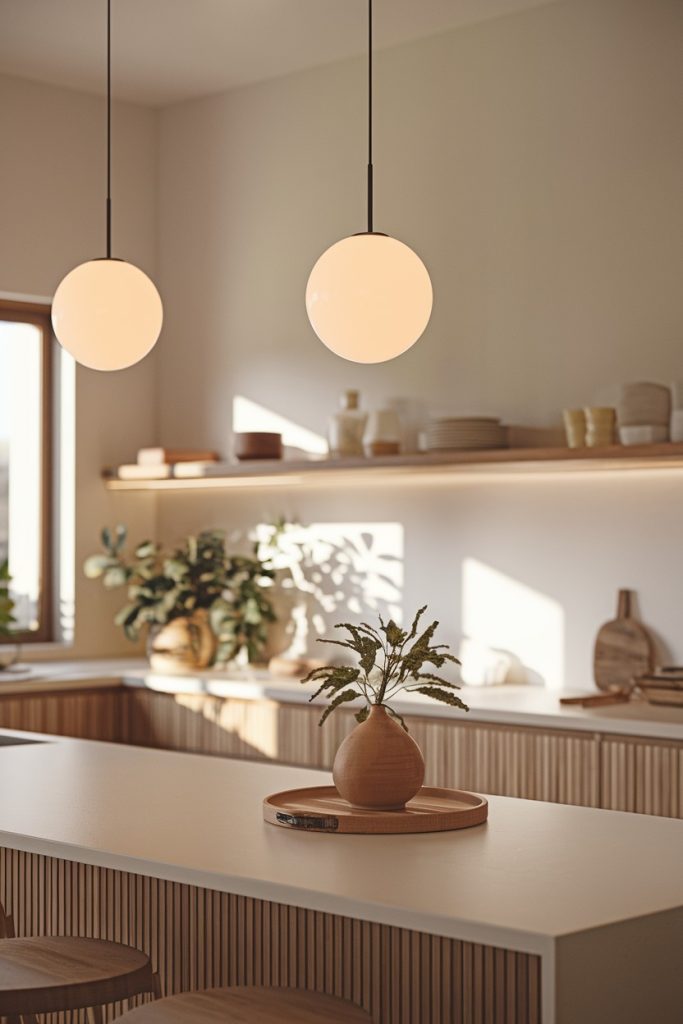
(7, 619)
(390, 661)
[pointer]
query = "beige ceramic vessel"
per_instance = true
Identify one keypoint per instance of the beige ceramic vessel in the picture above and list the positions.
(379, 766)
(182, 644)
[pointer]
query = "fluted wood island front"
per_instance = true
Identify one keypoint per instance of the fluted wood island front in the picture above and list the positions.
(547, 913)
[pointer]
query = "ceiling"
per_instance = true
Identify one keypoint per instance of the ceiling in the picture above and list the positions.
(166, 51)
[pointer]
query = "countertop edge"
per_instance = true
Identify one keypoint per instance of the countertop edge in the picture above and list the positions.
(88, 676)
(452, 928)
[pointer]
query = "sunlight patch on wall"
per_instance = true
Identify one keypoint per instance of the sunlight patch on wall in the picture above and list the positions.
(248, 415)
(501, 613)
(334, 571)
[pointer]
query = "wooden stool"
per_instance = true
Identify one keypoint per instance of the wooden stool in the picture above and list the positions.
(242, 1004)
(45, 974)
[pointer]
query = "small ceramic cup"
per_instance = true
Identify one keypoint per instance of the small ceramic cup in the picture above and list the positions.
(575, 427)
(382, 433)
(600, 424)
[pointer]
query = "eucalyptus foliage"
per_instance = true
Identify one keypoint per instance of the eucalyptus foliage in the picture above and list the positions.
(6, 603)
(390, 660)
(199, 574)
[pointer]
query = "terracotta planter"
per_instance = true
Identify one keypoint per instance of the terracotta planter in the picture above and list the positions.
(9, 656)
(378, 766)
(182, 644)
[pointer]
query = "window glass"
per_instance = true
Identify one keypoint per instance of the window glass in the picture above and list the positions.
(23, 473)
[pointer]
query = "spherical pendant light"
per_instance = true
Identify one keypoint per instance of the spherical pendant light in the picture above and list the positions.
(107, 313)
(369, 296)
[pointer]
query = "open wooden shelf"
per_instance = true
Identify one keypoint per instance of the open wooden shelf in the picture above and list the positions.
(430, 467)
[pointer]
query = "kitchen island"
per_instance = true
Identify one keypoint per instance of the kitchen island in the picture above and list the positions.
(533, 917)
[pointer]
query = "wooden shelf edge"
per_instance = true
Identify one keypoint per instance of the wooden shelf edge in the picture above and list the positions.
(427, 467)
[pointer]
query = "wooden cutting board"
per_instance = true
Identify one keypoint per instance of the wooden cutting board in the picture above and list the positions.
(623, 650)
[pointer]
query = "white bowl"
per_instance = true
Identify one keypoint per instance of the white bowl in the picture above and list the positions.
(652, 434)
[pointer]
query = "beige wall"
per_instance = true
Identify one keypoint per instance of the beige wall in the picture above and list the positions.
(51, 218)
(535, 162)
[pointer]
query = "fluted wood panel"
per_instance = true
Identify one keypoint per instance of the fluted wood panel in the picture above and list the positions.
(642, 777)
(198, 938)
(561, 766)
(86, 714)
(202, 723)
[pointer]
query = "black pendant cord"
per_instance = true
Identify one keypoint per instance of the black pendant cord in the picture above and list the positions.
(370, 168)
(108, 229)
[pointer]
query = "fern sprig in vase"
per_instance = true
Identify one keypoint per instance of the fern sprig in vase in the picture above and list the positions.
(379, 765)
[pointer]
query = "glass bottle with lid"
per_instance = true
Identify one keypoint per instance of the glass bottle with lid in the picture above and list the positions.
(345, 430)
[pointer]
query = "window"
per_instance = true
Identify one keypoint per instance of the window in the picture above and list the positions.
(25, 464)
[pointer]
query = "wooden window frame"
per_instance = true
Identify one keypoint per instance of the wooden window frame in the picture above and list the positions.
(40, 316)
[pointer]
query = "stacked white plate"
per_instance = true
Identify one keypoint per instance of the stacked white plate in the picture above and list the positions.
(465, 432)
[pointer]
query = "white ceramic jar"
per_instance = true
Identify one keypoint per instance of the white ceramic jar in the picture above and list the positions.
(382, 433)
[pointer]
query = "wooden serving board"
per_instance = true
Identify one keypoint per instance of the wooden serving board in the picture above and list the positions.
(596, 700)
(623, 650)
(321, 809)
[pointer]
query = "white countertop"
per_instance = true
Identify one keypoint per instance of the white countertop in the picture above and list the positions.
(532, 706)
(502, 705)
(95, 673)
(533, 873)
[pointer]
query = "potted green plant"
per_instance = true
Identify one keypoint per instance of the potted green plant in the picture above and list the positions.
(197, 601)
(241, 617)
(379, 765)
(7, 618)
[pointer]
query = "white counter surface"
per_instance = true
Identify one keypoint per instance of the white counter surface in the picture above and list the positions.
(532, 706)
(535, 873)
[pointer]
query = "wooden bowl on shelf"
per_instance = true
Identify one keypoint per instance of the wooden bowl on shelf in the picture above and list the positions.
(256, 444)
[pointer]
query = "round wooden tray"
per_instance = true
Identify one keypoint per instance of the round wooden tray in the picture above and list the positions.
(321, 809)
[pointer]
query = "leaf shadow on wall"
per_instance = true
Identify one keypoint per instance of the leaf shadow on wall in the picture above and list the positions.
(329, 572)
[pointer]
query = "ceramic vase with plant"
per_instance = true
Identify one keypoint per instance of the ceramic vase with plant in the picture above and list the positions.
(379, 766)
(198, 602)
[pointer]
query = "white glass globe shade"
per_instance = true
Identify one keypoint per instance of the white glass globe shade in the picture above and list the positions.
(369, 298)
(107, 314)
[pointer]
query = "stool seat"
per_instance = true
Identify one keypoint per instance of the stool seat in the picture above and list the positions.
(44, 974)
(246, 1005)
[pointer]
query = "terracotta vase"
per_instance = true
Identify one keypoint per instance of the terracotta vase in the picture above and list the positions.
(379, 766)
(182, 644)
